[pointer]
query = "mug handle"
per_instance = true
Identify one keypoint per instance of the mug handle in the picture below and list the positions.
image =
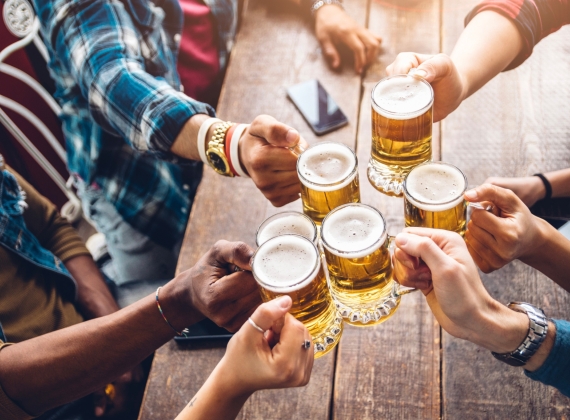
(400, 290)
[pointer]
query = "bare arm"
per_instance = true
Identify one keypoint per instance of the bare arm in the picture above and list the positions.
(485, 48)
(59, 367)
(487, 45)
(94, 297)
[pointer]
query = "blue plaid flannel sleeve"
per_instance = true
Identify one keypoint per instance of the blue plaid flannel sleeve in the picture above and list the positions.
(96, 42)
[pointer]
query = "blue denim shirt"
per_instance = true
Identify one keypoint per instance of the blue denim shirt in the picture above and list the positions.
(15, 236)
(114, 67)
(555, 371)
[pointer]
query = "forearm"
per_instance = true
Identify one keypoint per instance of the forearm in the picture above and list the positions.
(186, 144)
(94, 297)
(215, 400)
(485, 48)
(551, 255)
(59, 367)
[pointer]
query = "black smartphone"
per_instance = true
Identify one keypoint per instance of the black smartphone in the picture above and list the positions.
(317, 107)
(203, 331)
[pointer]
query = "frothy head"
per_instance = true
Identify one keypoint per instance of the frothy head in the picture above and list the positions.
(327, 166)
(435, 186)
(402, 97)
(286, 263)
(353, 231)
(290, 222)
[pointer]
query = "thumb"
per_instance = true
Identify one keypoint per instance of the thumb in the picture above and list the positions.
(422, 247)
(270, 312)
(504, 199)
(274, 132)
(330, 52)
(433, 68)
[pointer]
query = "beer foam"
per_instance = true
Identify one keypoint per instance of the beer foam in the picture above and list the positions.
(402, 97)
(286, 263)
(353, 231)
(327, 163)
(435, 186)
(288, 223)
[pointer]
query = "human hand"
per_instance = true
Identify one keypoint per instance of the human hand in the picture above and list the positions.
(255, 361)
(529, 189)
(510, 232)
(439, 70)
(264, 155)
(456, 296)
(121, 397)
(214, 288)
(333, 27)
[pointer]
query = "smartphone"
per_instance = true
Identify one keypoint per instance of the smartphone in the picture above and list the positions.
(203, 331)
(317, 107)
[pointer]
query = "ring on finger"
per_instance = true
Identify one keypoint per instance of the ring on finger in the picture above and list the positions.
(254, 325)
(306, 344)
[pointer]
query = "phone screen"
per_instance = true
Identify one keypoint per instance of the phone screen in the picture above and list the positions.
(317, 106)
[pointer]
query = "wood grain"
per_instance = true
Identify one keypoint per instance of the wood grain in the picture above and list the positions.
(391, 371)
(516, 125)
(274, 49)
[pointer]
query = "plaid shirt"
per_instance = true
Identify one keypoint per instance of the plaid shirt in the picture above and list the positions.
(535, 19)
(114, 65)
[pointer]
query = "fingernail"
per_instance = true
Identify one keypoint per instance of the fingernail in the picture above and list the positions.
(284, 302)
(471, 195)
(421, 73)
(292, 137)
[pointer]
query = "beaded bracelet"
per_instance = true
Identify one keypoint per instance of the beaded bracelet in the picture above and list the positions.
(184, 332)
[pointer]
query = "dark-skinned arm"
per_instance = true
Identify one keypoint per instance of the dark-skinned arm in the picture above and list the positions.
(59, 367)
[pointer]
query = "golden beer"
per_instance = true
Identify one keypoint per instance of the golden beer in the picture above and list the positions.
(355, 243)
(401, 130)
(433, 197)
(329, 178)
(291, 265)
(287, 222)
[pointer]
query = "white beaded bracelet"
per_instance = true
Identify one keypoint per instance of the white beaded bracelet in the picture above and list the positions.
(234, 149)
(201, 138)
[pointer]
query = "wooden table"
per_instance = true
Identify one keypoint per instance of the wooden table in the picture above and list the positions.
(407, 367)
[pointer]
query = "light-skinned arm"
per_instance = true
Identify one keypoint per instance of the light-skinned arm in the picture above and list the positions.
(59, 367)
(511, 232)
(255, 361)
(456, 295)
(530, 189)
(487, 45)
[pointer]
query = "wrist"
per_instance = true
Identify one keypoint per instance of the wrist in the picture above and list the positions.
(500, 329)
(227, 383)
(538, 249)
(537, 188)
(176, 303)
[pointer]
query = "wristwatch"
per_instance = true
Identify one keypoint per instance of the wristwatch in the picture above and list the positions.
(314, 5)
(538, 328)
(216, 154)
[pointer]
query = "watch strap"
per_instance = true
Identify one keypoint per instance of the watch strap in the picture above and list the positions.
(538, 328)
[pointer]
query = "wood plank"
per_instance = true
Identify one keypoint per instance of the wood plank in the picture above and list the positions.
(274, 49)
(516, 125)
(392, 370)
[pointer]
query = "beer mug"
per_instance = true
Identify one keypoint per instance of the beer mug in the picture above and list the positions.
(401, 130)
(356, 247)
(291, 265)
(287, 222)
(433, 197)
(329, 178)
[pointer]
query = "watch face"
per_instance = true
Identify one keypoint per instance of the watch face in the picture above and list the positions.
(218, 162)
